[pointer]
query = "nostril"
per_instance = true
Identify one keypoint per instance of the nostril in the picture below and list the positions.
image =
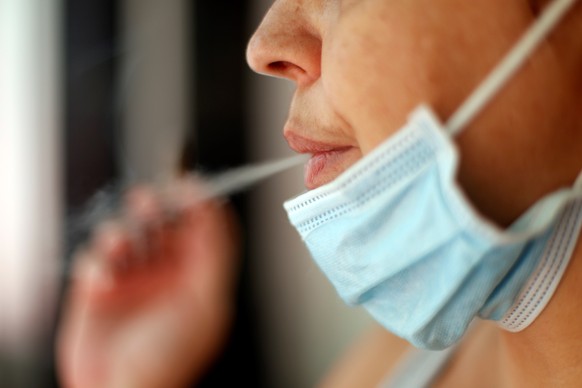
(289, 70)
(279, 66)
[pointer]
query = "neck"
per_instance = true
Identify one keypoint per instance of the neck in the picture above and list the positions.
(547, 353)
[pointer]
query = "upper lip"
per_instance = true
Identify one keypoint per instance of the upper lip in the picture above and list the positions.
(305, 145)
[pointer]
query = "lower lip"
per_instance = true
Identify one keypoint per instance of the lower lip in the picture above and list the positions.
(323, 167)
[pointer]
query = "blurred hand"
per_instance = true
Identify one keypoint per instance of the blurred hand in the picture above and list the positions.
(151, 297)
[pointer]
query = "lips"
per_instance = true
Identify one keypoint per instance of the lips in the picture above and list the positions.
(327, 160)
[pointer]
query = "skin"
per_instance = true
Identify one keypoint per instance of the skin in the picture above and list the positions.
(360, 67)
(151, 297)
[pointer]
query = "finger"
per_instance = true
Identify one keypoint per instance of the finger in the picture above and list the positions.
(144, 218)
(90, 276)
(185, 195)
(143, 205)
(124, 246)
(111, 244)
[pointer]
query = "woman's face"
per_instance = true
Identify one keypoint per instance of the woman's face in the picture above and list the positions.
(361, 66)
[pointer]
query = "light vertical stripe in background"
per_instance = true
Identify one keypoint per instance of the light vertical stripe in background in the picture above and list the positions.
(154, 86)
(30, 176)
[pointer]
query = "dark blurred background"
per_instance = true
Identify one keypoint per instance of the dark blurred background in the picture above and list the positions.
(215, 132)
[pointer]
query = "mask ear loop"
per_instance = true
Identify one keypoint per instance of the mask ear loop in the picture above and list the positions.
(508, 67)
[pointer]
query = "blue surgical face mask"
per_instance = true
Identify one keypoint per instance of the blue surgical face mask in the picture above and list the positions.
(396, 234)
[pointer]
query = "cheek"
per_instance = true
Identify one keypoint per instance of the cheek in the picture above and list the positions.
(381, 59)
(369, 68)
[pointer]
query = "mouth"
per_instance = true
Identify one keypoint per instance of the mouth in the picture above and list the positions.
(327, 160)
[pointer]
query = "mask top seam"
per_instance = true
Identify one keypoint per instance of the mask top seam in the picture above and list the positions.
(406, 140)
(416, 165)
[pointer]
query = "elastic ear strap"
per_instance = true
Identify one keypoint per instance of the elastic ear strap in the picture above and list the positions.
(508, 66)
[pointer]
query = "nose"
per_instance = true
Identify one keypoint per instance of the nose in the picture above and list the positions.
(286, 46)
